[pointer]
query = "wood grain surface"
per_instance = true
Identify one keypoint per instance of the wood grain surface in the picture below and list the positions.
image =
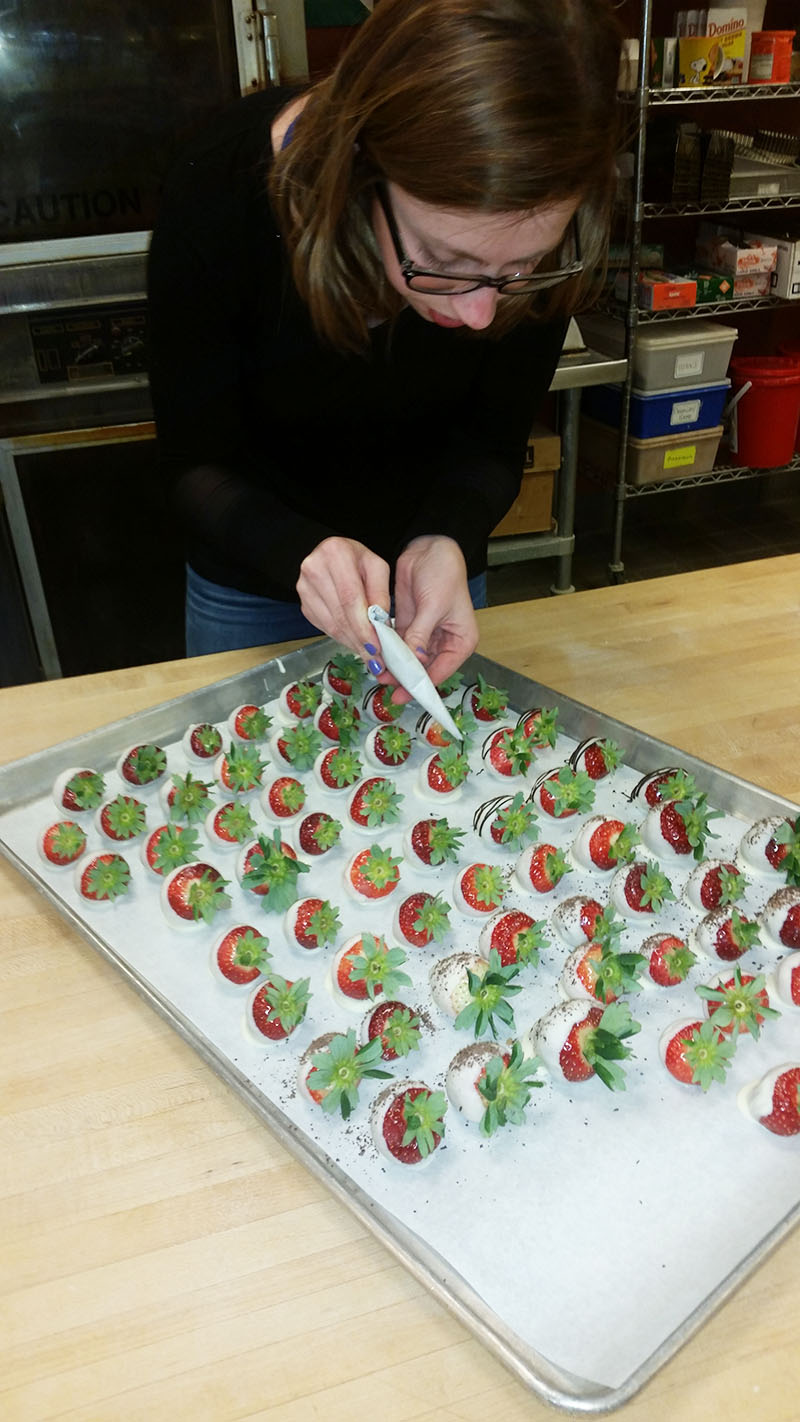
(163, 1256)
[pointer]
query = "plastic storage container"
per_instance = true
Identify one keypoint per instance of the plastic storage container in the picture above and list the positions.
(650, 461)
(659, 412)
(668, 354)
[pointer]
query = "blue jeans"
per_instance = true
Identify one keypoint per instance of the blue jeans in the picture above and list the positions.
(220, 619)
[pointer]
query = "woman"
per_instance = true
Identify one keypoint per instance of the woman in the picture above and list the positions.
(358, 297)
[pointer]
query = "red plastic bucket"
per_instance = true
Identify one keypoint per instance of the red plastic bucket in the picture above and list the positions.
(791, 348)
(765, 428)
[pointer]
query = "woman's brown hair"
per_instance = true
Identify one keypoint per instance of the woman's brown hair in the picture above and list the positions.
(492, 105)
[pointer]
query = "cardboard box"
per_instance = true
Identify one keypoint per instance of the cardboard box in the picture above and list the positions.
(785, 279)
(532, 510)
(544, 450)
(729, 250)
(716, 59)
(713, 286)
(659, 291)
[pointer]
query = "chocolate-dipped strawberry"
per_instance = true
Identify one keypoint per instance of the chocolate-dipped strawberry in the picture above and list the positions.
(507, 823)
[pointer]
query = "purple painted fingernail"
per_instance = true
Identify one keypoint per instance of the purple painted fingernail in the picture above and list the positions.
(422, 651)
(368, 647)
(375, 667)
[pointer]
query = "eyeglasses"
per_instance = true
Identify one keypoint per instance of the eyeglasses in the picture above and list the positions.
(449, 284)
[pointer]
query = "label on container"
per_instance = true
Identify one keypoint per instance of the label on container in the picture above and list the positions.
(685, 412)
(688, 365)
(677, 458)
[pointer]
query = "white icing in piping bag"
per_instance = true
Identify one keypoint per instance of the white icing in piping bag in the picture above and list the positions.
(409, 671)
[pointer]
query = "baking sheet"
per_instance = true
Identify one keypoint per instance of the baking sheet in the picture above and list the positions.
(561, 1229)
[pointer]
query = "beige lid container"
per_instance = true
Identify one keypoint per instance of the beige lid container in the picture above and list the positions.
(650, 461)
(668, 354)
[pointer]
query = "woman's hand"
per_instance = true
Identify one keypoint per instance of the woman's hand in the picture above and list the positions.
(339, 580)
(433, 608)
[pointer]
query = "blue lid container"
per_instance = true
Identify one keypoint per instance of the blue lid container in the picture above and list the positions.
(655, 413)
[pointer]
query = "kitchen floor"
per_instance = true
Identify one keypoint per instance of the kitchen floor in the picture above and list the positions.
(667, 533)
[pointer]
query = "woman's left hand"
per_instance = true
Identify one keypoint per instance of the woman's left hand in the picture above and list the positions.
(433, 608)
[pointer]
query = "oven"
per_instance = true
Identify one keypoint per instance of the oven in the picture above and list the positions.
(95, 99)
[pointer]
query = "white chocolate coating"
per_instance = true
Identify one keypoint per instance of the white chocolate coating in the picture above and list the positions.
(464, 1073)
(449, 982)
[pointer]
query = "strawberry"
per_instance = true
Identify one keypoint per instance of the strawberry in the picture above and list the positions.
(187, 798)
(122, 819)
(241, 955)
(681, 825)
(271, 869)
(509, 821)
(408, 1121)
(306, 1066)
(786, 852)
(279, 1006)
(605, 843)
(450, 685)
(284, 798)
(488, 994)
(672, 783)
(739, 1004)
(299, 746)
(302, 698)
(564, 792)
(486, 702)
(787, 979)
(760, 846)
(597, 757)
(397, 1027)
(541, 725)
(479, 889)
(389, 745)
(781, 917)
(373, 873)
(338, 1070)
(783, 1119)
(143, 765)
(375, 803)
(725, 934)
(366, 968)
(446, 771)
(339, 721)
(195, 893)
(432, 842)
(506, 1086)
(170, 845)
(312, 923)
(203, 741)
(576, 919)
(668, 959)
(696, 1053)
(249, 723)
(515, 937)
(63, 843)
(541, 867)
(240, 770)
(601, 972)
(379, 706)
(318, 833)
(580, 1042)
(231, 824)
(344, 675)
(79, 790)
(641, 888)
(104, 878)
(713, 884)
(338, 768)
(508, 752)
(422, 918)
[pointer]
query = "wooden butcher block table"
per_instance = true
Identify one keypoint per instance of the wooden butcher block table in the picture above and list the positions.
(165, 1258)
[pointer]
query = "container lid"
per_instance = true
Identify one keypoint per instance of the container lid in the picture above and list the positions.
(674, 441)
(682, 333)
(675, 392)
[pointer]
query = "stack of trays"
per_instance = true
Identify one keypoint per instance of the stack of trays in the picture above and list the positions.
(680, 389)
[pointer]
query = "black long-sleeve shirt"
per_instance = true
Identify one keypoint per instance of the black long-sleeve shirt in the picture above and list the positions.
(271, 439)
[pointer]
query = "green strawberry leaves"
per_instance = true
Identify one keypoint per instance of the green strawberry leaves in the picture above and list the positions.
(339, 1069)
(506, 1087)
(517, 823)
(605, 1046)
(709, 1053)
(276, 871)
(191, 798)
(379, 967)
(489, 994)
(424, 1120)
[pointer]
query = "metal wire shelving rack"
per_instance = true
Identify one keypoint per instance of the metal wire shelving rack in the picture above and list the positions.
(643, 100)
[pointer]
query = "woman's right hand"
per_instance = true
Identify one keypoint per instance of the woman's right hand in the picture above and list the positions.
(339, 580)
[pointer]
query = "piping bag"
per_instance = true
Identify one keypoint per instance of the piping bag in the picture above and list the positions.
(409, 671)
